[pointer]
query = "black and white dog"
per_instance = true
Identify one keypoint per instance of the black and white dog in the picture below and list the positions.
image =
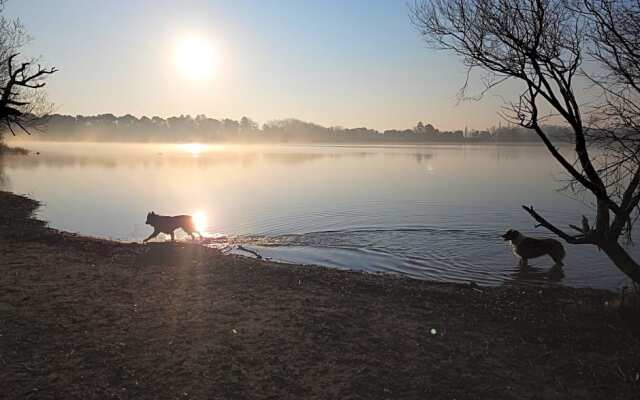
(528, 247)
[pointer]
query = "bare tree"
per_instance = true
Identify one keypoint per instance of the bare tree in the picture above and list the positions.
(21, 101)
(614, 38)
(542, 44)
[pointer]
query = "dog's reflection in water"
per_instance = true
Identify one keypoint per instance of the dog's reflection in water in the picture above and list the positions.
(530, 273)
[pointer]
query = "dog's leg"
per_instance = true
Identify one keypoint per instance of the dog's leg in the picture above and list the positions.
(556, 273)
(153, 234)
(190, 233)
(557, 260)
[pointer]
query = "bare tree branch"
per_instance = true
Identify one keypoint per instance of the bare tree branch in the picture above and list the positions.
(21, 81)
(581, 239)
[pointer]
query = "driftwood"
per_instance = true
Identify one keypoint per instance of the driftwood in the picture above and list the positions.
(255, 253)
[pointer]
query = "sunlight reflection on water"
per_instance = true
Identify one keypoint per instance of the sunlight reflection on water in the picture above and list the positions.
(200, 221)
(194, 149)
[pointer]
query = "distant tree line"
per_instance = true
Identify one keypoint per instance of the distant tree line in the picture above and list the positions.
(185, 128)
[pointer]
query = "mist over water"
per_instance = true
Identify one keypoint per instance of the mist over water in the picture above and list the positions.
(428, 212)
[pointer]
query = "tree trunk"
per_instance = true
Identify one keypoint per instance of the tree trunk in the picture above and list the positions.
(622, 260)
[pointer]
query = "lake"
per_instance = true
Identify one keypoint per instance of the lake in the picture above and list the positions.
(427, 212)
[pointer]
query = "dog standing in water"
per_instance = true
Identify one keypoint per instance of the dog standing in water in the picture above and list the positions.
(527, 247)
(167, 224)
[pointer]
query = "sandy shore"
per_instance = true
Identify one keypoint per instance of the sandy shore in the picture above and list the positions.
(88, 318)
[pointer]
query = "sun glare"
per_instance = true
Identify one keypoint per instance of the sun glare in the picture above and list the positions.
(195, 58)
(194, 148)
(200, 221)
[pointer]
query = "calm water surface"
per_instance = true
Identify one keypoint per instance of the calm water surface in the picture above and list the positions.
(431, 212)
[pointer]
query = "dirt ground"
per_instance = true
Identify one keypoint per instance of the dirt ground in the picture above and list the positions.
(84, 318)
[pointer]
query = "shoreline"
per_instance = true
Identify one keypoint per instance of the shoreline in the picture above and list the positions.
(292, 143)
(12, 150)
(92, 318)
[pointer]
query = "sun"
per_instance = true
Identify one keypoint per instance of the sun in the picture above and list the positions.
(195, 58)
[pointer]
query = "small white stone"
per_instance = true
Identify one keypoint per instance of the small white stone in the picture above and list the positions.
(433, 331)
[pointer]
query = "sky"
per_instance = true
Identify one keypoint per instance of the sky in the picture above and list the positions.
(337, 63)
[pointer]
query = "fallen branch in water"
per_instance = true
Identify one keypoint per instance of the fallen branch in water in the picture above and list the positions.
(580, 239)
(255, 253)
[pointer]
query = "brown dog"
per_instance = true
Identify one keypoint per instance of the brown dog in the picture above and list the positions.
(528, 247)
(166, 224)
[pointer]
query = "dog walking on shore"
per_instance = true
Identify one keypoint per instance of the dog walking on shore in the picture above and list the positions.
(527, 247)
(166, 224)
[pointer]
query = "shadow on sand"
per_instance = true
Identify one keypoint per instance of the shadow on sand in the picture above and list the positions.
(174, 253)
